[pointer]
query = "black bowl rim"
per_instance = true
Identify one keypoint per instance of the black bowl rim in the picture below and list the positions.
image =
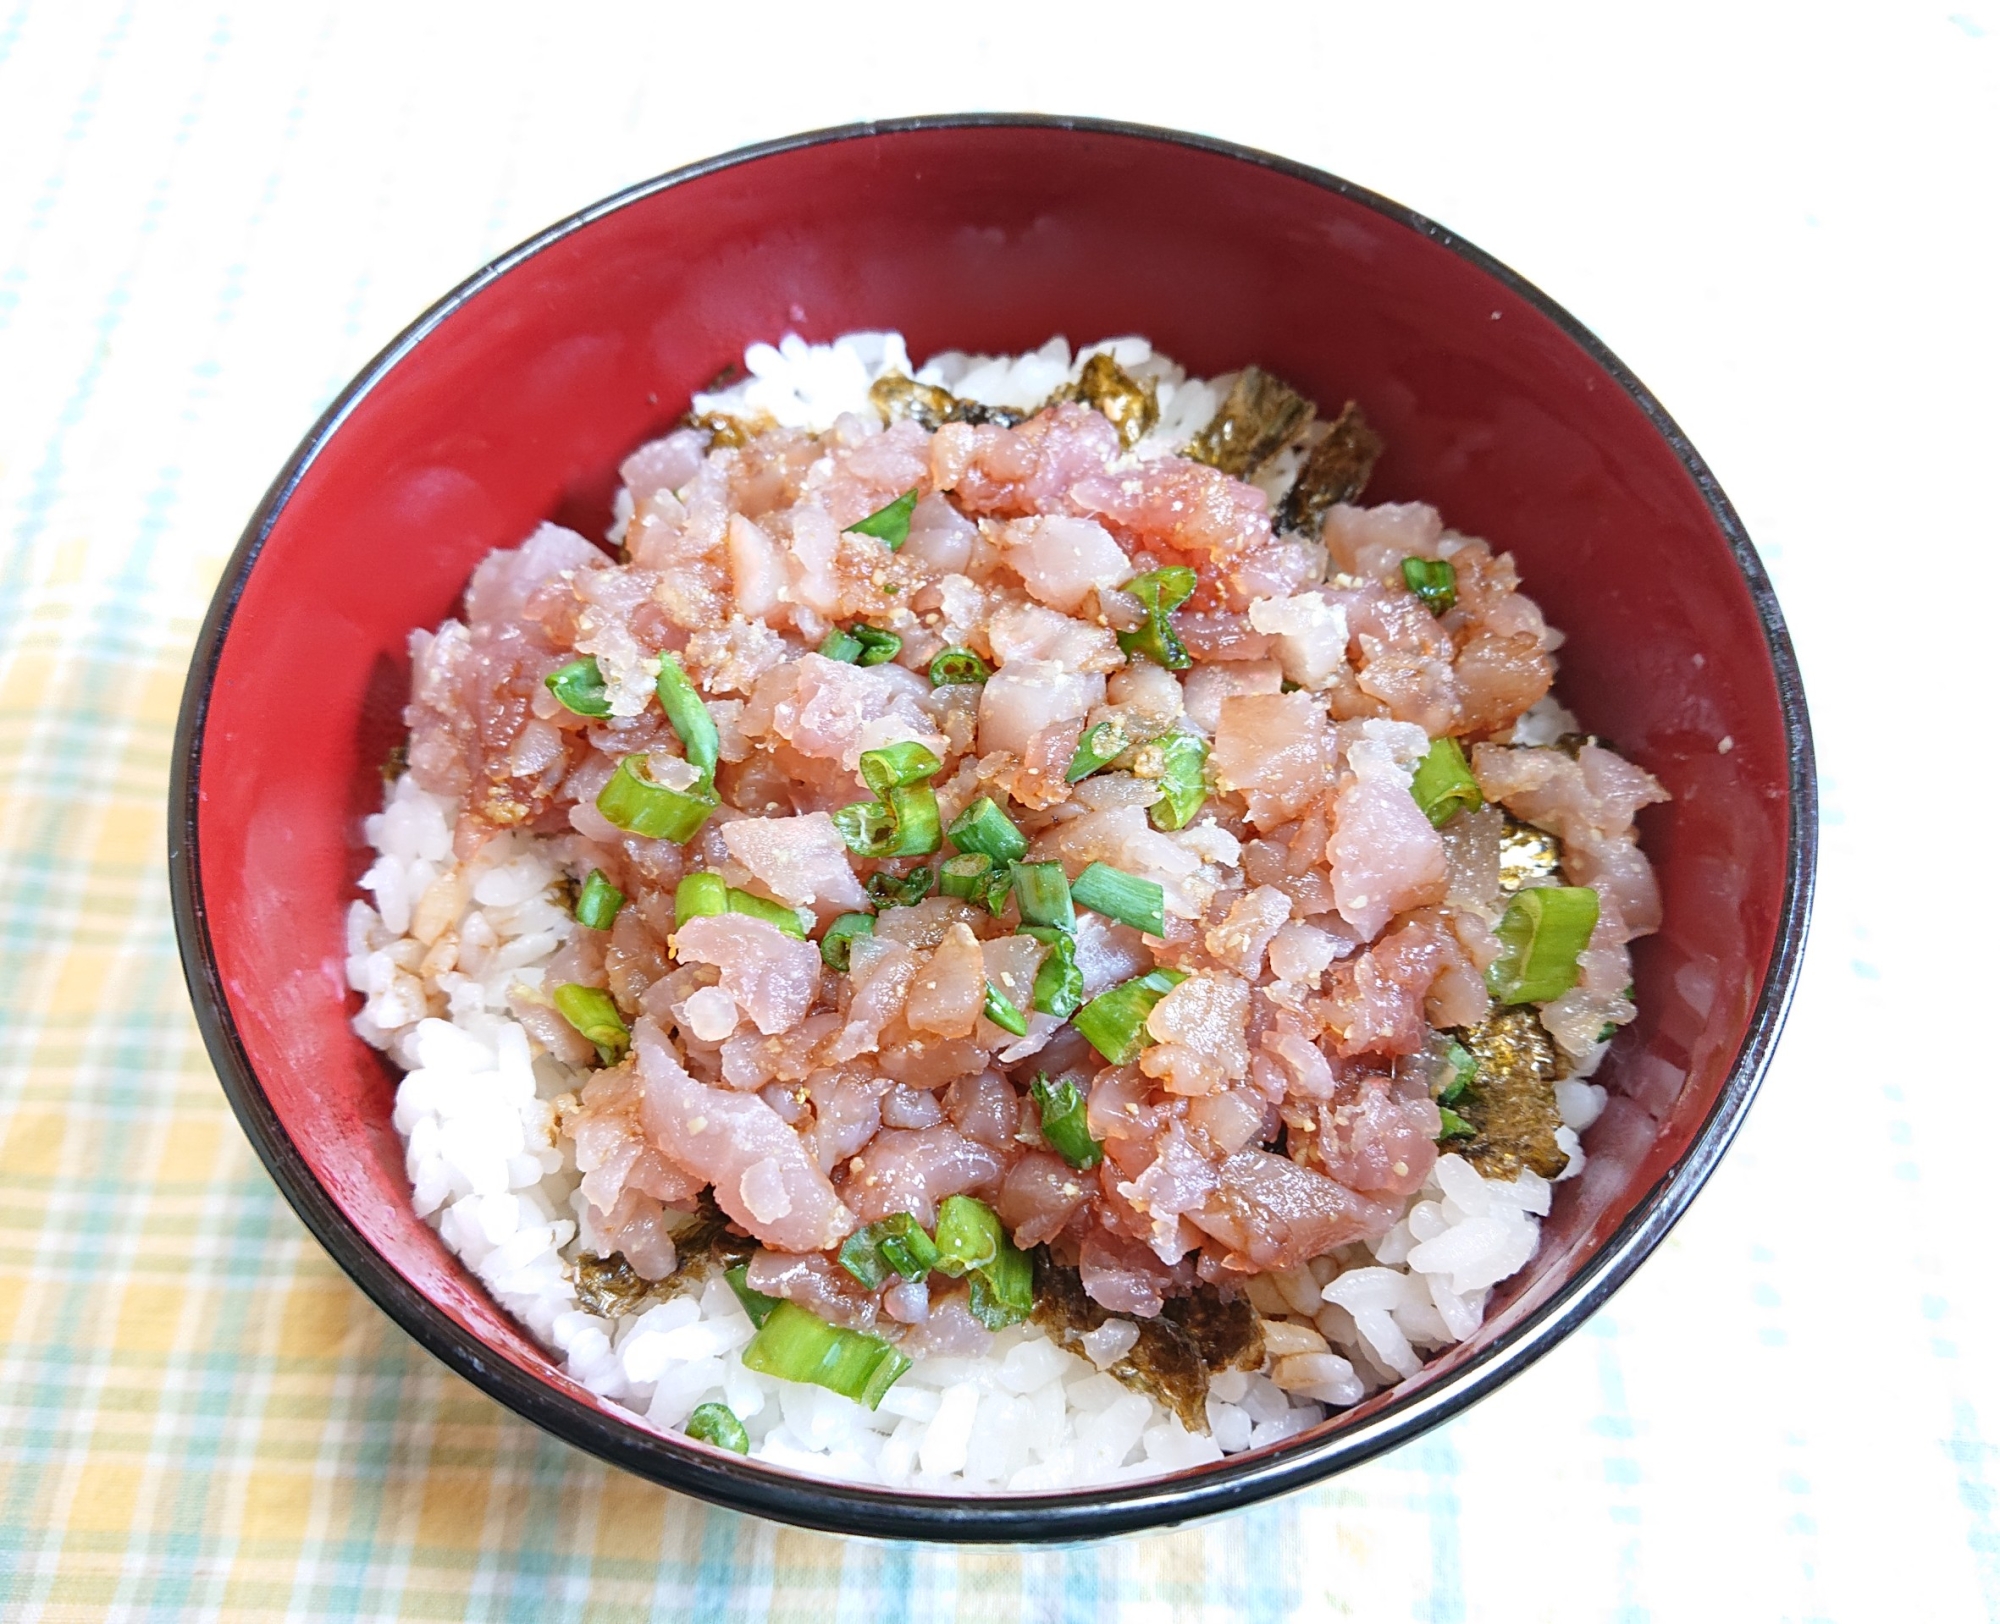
(1081, 1514)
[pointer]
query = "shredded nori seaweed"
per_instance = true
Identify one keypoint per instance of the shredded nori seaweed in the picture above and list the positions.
(707, 1244)
(1527, 853)
(1172, 1359)
(1262, 416)
(1336, 470)
(897, 398)
(1511, 1099)
(1131, 407)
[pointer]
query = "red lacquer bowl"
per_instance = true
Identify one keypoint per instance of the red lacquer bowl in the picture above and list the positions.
(514, 399)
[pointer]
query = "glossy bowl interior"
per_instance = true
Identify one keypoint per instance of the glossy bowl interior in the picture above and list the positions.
(513, 401)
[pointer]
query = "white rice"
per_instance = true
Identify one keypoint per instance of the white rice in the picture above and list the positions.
(477, 1111)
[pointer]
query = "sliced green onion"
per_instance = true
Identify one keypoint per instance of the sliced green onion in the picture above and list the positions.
(1058, 983)
(1043, 895)
(1542, 934)
(906, 825)
(1184, 789)
(877, 646)
(752, 906)
(895, 766)
(1443, 784)
(591, 1011)
(1099, 747)
(893, 1245)
(1142, 904)
(958, 667)
(1433, 580)
(688, 716)
(900, 890)
(579, 687)
(633, 802)
(889, 524)
(836, 947)
(715, 1423)
(1063, 1114)
(798, 1346)
(968, 876)
(983, 827)
(700, 896)
(1004, 1013)
(1114, 1022)
(1463, 1069)
(1454, 1126)
(1162, 592)
(1003, 1293)
(841, 645)
(597, 904)
(968, 1235)
(970, 1240)
(755, 1303)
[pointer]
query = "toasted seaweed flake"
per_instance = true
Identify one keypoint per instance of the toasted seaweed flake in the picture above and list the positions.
(1262, 416)
(1510, 1101)
(898, 398)
(704, 1245)
(725, 433)
(1527, 853)
(1172, 1359)
(1131, 407)
(1336, 470)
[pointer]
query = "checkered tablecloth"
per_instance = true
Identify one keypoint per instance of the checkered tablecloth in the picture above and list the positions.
(210, 216)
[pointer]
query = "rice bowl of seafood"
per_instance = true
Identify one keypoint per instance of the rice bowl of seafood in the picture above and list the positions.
(1059, 899)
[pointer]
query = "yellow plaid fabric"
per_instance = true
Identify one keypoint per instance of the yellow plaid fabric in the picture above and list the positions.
(209, 218)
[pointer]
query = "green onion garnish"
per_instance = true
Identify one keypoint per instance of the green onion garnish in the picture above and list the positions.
(1463, 1069)
(688, 716)
(579, 686)
(1162, 592)
(958, 668)
(799, 1346)
(1184, 789)
(893, 1245)
(597, 904)
(1004, 1013)
(968, 876)
(837, 945)
(889, 524)
(633, 802)
(1454, 1126)
(968, 1235)
(591, 1011)
(1062, 1109)
(1433, 580)
(1003, 1293)
(983, 827)
(1142, 904)
(716, 1423)
(902, 821)
(1114, 1022)
(1058, 983)
(900, 890)
(877, 646)
(970, 1240)
(1099, 747)
(842, 645)
(1043, 895)
(755, 1303)
(700, 896)
(1543, 932)
(751, 906)
(1443, 784)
